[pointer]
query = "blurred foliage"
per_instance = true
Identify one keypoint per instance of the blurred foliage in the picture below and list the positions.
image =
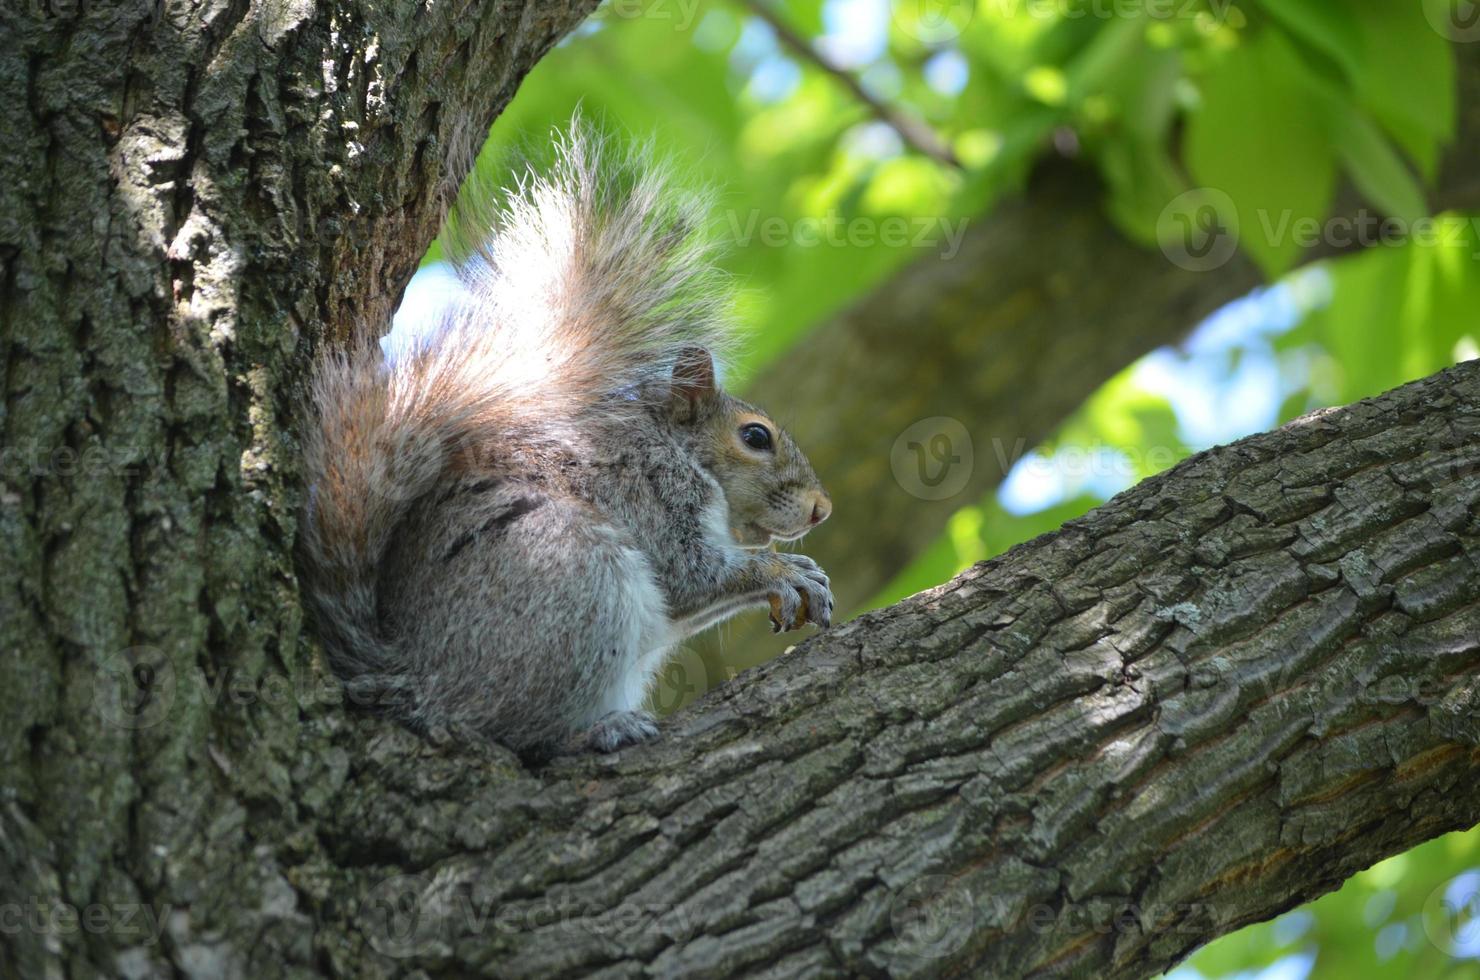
(1266, 101)
(1258, 109)
(1396, 314)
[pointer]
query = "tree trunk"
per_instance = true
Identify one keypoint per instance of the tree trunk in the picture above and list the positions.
(1210, 699)
(191, 196)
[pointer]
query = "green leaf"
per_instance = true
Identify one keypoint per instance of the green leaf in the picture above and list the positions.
(1360, 326)
(1141, 179)
(1261, 137)
(1112, 51)
(1407, 76)
(1325, 26)
(1375, 166)
(1450, 270)
(804, 16)
(1397, 312)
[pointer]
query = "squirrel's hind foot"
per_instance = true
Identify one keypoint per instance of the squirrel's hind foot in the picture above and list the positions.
(618, 729)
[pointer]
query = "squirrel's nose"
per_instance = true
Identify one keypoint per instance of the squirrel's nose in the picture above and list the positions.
(821, 507)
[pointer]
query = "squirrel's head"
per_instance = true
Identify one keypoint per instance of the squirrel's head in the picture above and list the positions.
(772, 492)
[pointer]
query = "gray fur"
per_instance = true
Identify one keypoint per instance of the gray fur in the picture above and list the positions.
(514, 523)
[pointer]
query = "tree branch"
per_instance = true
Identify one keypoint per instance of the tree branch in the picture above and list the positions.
(915, 133)
(197, 194)
(1212, 698)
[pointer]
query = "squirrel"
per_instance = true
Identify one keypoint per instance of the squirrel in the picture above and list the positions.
(515, 518)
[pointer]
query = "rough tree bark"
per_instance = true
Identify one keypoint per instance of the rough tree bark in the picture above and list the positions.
(1212, 698)
(1208, 700)
(191, 193)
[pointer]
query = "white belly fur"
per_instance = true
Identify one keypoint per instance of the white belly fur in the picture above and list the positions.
(657, 634)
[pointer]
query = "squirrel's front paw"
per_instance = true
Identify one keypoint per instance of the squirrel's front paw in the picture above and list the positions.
(801, 595)
(617, 729)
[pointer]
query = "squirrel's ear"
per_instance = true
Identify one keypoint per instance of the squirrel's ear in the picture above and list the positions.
(693, 380)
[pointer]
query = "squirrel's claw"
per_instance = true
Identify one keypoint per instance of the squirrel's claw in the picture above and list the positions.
(617, 729)
(806, 599)
(788, 610)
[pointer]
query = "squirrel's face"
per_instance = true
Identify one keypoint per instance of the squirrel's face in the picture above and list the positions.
(773, 494)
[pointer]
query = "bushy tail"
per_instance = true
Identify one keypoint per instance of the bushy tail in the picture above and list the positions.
(581, 284)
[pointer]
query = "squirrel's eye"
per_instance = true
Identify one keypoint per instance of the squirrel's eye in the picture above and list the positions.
(756, 436)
